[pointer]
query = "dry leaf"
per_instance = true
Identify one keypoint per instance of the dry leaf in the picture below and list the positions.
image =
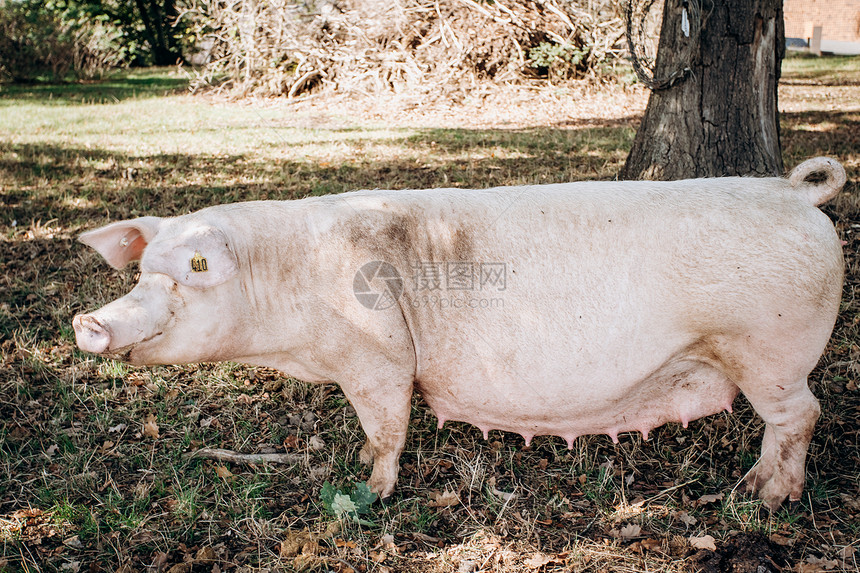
(20, 432)
(425, 538)
(160, 561)
(150, 427)
(305, 561)
(852, 503)
(316, 443)
(537, 561)
(443, 499)
(704, 542)
(377, 556)
(223, 472)
(630, 531)
(781, 540)
(847, 552)
(709, 498)
(298, 542)
(205, 555)
(821, 563)
(685, 518)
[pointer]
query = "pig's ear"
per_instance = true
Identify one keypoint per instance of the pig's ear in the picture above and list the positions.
(122, 242)
(200, 257)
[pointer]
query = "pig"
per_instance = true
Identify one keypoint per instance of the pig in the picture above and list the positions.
(562, 310)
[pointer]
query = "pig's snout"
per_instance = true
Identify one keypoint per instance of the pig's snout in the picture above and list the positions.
(90, 334)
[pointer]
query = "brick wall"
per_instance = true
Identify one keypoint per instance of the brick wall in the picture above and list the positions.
(839, 19)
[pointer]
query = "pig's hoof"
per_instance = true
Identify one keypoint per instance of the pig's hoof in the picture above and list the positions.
(771, 489)
(772, 502)
(382, 488)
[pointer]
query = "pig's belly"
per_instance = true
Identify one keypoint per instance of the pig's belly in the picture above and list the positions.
(677, 392)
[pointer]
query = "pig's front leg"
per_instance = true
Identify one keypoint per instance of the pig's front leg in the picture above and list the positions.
(382, 402)
(365, 456)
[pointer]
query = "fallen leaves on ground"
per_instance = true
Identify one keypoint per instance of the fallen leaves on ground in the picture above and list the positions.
(703, 542)
(150, 427)
(710, 498)
(443, 499)
(537, 560)
(223, 472)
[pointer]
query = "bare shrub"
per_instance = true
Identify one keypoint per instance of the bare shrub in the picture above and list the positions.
(371, 46)
(96, 50)
(36, 43)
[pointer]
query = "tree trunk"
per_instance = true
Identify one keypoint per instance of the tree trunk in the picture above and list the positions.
(157, 31)
(721, 119)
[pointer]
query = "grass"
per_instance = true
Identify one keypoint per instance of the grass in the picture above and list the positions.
(802, 67)
(89, 486)
(118, 86)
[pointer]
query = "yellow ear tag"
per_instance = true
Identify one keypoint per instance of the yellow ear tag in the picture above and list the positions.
(198, 263)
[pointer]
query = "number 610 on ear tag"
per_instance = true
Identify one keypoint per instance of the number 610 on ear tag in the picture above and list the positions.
(198, 264)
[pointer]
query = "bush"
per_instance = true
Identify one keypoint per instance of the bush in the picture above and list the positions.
(38, 43)
(370, 46)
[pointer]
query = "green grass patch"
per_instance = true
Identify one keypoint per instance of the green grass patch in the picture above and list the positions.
(833, 70)
(135, 83)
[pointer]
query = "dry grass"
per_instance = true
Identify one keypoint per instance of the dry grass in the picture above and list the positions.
(88, 486)
(431, 49)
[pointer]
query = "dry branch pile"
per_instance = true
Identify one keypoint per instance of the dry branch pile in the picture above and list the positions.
(274, 47)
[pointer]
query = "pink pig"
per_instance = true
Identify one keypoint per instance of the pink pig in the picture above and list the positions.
(569, 309)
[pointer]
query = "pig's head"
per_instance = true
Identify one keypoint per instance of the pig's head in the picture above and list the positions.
(183, 309)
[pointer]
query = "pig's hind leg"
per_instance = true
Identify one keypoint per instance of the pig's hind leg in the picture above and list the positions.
(771, 367)
(790, 412)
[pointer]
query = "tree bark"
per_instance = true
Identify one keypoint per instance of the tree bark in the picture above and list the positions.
(721, 118)
(157, 31)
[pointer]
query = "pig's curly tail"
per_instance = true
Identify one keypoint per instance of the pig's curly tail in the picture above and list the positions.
(823, 191)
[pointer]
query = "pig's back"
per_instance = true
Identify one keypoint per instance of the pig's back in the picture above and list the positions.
(530, 307)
